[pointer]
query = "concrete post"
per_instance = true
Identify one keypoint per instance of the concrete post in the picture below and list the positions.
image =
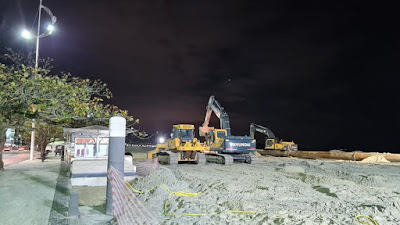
(116, 153)
(74, 204)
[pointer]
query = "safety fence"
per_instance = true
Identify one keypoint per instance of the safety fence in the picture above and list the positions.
(127, 207)
(145, 168)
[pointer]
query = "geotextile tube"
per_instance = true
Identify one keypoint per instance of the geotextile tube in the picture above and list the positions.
(354, 156)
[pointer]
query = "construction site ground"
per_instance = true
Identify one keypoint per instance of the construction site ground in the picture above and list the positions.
(275, 191)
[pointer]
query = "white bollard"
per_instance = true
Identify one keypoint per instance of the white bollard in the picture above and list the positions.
(116, 153)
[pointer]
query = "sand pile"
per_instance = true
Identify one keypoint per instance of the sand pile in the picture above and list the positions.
(375, 159)
(275, 191)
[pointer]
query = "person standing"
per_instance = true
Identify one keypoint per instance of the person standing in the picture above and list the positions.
(95, 150)
(62, 152)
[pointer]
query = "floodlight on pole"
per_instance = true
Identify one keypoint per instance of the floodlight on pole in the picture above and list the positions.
(27, 35)
(50, 28)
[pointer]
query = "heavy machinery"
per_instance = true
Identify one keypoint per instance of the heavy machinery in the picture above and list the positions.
(224, 147)
(181, 147)
(272, 142)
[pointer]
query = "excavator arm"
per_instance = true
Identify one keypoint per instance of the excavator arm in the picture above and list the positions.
(261, 129)
(214, 106)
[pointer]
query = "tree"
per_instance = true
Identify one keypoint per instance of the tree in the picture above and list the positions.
(27, 93)
(45, 134)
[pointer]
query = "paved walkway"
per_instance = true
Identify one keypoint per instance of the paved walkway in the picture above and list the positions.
(32, 192)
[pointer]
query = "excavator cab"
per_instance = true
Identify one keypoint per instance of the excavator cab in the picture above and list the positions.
(215, 138)
(269, 143)
(182, 137)
(183, 132)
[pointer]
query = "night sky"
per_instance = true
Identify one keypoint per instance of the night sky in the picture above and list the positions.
(324, 75)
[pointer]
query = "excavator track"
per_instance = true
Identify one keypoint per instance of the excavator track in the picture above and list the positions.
(254, 158)
(220, 159)
(168, 158)
(173, 158)
(201, 158)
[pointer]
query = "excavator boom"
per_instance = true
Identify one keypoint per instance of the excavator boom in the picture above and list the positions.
(261, 129)
(214, 106)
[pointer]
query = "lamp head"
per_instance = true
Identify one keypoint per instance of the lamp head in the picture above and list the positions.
(50, 28)
(26, 34)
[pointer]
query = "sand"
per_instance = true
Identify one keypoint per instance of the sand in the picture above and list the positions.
(375, 159)
(278, 191)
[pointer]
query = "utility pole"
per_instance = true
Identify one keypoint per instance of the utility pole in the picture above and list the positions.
(36, 67)
(27, 34)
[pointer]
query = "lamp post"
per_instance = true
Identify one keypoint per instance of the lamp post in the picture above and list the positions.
(27, 35)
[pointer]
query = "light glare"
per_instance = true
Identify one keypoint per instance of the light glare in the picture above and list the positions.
(50, 28)
(161, 140)
(26, 34)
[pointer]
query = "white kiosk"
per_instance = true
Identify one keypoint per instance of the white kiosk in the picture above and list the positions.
(87, 151)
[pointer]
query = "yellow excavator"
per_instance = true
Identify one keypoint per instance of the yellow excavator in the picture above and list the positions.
(181, 147)
(225, 148)
(271, 142)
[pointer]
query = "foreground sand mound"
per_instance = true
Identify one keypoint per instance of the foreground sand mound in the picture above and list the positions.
(375, 159)
(274, 191)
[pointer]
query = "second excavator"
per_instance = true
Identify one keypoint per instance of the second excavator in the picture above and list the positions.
(272, 142)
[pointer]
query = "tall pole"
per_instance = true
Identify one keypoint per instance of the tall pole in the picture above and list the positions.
(33, 138)
(37, 36)
(36, 67)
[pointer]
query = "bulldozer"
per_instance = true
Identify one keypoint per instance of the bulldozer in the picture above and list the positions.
(272, 142)
(181, 147)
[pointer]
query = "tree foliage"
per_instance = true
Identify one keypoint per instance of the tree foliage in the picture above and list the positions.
(55, 99)
(28, 93)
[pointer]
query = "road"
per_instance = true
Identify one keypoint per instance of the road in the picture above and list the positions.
(12, 157)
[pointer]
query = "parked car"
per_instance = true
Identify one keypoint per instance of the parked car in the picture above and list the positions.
(23, 147)
(58, 150)
(7, 148)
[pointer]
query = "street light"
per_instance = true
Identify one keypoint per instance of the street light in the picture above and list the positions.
(27, 35)
(50, 28)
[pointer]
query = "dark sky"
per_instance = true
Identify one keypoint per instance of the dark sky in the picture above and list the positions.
(324, 75)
